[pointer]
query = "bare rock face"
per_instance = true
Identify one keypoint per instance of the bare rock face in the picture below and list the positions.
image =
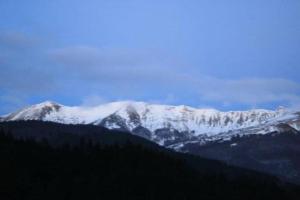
(114, 122)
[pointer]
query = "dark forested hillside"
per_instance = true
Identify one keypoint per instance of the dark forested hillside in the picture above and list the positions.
(59, 134)
(274, 153)
(123, 169)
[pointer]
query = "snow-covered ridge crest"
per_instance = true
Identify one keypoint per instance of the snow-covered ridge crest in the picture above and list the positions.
(133, 114)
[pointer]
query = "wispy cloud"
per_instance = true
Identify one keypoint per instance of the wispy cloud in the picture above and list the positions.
(11, 102)
(89, 56)
(250, 91)
(12, 39)
(93, 100)
(114, 64)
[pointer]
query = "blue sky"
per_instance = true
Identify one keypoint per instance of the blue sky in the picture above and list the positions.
(235, 54)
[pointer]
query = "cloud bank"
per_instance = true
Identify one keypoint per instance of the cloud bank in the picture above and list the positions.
(98, 65)
(87, 70)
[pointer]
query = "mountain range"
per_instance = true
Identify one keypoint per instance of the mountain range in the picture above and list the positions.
(259, 139)
(170, 126)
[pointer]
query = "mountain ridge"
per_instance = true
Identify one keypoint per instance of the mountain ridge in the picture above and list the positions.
(164, 124)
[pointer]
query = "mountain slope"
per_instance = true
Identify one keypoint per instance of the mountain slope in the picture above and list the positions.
(274, 153)
(58, 134)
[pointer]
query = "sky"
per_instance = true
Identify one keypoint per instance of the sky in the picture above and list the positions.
(228, 55)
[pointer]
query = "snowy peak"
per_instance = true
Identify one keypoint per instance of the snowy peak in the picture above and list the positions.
(34, 112)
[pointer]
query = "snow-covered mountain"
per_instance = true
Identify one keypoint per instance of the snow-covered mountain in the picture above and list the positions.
(167, 125)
